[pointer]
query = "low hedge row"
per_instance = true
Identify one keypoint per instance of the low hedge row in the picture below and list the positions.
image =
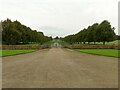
(92, 47)
(18, 47)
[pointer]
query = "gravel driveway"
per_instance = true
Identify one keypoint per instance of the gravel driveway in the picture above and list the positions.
(59, 68)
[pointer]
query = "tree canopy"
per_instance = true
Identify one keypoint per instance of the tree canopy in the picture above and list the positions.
(15, 33)
(102, 32)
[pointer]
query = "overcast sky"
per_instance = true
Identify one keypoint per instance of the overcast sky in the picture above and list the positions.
(60, 17)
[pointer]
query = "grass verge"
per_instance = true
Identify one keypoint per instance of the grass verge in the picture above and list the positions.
(14, 52)
(102, 52)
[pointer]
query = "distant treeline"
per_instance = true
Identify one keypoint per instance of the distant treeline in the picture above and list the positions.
(16, 33)
(118, 37)
(102, 32)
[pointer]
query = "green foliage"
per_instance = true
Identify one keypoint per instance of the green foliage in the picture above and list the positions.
(14, 33)
(49, 43)
(63, 43)
(118, 37)
(102, 32)
(116, 42)
(0, 33)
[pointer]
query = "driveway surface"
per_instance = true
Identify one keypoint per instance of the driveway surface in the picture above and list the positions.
(59, 68)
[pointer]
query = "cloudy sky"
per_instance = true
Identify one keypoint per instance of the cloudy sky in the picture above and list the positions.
(60, 17)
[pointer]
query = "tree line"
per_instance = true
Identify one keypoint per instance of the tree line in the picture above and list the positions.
(118, 37)
(16, 33)
(102, 32)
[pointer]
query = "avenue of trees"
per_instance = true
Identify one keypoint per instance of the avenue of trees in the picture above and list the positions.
(118, 37)
(102, 32)
(16, 33)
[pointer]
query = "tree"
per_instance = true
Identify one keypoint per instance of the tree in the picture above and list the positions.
(118, 37)
(9, 34)
(106, 32)
(102, 32)
(15, 33)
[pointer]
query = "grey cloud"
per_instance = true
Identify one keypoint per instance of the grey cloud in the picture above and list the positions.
(60, 17)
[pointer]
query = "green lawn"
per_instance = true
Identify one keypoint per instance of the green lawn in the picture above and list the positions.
(14, 52)
(103, 52)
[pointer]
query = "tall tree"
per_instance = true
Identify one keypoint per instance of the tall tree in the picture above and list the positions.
(102, 32)
(106, 32)
(15, 33)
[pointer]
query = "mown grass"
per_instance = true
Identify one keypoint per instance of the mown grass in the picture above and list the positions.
(14, 52)
(102, 52)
